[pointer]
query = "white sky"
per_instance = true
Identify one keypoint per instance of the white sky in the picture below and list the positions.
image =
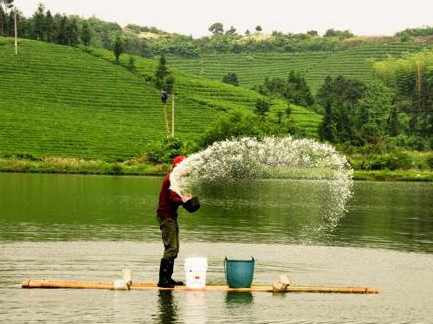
(193, 17)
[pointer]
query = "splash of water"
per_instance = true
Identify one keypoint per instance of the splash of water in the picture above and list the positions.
(289, 158)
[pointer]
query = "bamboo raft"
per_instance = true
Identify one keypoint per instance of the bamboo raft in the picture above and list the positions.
(48, 284)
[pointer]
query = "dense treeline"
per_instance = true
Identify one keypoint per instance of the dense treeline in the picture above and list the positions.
(411, 78)
(414, 32)
(150, 41)
(395, 110)
(57, 28)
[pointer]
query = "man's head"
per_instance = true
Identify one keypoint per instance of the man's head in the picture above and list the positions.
(177, 160)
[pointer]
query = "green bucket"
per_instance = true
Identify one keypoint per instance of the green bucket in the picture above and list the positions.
(239, 273)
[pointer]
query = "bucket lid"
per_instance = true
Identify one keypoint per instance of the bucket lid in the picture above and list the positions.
(196, 262)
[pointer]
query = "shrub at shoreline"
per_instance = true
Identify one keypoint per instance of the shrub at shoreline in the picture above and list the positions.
(141, 167)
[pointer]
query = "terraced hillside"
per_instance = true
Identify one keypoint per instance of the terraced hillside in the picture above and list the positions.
(60, 101)
(220, 96)
(253, 68)
(353, 63)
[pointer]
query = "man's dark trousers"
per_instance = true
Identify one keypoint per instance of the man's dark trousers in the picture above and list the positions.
(170, 237)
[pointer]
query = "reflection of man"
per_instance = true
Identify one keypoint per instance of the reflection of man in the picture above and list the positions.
(166, 213)
(167, 307)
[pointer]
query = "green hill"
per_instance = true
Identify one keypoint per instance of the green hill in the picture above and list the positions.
(61, 101)
(251, 69)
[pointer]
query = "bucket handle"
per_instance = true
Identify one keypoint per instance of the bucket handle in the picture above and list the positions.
(253, 258)
(225, 269)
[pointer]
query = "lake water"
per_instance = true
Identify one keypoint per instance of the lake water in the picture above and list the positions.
(73, 227)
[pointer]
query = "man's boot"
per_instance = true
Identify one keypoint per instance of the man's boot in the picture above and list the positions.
(165, 271)
(171, 280)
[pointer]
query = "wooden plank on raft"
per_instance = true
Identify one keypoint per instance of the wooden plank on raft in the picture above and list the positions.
(152, 286)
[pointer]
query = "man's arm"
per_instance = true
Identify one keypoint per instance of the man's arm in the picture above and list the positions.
(174, 197)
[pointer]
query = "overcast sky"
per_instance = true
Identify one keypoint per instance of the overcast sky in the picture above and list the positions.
(193, 17)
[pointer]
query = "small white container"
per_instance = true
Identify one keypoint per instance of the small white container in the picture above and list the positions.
(120, 285)
(127, 275)
(195, 272)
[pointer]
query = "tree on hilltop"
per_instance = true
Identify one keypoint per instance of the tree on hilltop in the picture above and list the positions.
(3, 18)
(231, 31)
(341, 34)
(6, 4)
(39, 25)
(67, 30)
(217, 28)
(72, 31)
(62, 37)
(50, 27)
(5, 7)
(259, 28)
(86, 34)
(118, 47)
(161, 72)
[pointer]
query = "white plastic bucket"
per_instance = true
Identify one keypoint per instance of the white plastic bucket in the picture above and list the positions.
(195, 272)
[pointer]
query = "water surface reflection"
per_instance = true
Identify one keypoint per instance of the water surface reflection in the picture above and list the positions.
(70, 208)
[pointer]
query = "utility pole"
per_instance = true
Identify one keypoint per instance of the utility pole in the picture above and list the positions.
(164, 109)
(418, 77)
(172, 113)
(16, 31)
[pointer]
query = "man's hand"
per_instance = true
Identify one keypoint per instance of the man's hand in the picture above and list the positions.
(187, 196)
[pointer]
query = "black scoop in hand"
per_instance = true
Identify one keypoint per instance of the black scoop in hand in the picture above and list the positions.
(192, 205)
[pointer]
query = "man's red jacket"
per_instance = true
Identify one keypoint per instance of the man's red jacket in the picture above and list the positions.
(169, 201)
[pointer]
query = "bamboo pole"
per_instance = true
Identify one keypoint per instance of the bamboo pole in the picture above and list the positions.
(172, 113)
(153, 286)
(67, 284)
(418, 77)
(16, 31)
(164, 109)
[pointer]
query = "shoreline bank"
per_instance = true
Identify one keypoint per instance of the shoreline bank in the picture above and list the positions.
(99, 167)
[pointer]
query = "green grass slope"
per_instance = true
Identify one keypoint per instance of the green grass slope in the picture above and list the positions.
(60, 101)
(194, 91)
(253, 68)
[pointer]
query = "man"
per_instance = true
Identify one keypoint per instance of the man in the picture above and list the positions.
(164, 96)
(166, 213)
